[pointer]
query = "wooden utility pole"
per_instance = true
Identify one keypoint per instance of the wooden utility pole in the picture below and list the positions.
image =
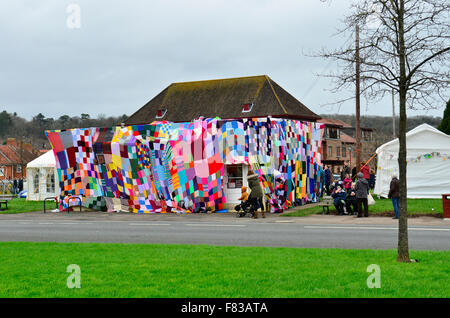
(358, 128)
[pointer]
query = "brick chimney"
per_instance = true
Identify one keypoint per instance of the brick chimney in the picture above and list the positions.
(11, 142)
(28, 147)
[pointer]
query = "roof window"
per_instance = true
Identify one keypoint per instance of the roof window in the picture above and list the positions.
(161, 113)
(246, 108)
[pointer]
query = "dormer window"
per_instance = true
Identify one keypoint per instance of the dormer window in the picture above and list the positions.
(161, 113)
(246, 108)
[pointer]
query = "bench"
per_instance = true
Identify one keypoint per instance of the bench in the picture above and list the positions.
(4, 198)
(327, 201)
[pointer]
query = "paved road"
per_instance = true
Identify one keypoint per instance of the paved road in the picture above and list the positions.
(238, 232)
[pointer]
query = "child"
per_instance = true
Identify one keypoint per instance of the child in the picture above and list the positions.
(347, 183)
(244, 194)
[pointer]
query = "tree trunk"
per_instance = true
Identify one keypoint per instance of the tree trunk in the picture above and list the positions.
(403, 249)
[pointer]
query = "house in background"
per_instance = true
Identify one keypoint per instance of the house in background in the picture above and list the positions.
(231, 98)
(339, 144)
(14, 157)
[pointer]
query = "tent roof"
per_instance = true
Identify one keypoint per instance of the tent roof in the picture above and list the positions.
(46, 160)
(439, 140)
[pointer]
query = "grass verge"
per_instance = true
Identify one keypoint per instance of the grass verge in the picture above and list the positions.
(383, 207)
(17, 205)
(138, 270)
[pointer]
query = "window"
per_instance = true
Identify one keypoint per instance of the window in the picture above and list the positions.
(235, 178)
(36, 182)
(51, 182)
(19, 169)
(161, 113)
(333, 133)
(344, 152)
(338, 151)
(2, 171)
(330, 151)
(246, 108)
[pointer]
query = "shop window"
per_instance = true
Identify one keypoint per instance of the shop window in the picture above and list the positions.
(235, 177)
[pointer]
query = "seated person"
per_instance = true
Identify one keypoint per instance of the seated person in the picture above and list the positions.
(244, 200)
(351, 203)
(339, 197)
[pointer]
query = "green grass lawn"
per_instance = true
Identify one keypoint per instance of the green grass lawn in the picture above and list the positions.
(17, 205)
(138, 270)
(383, 207)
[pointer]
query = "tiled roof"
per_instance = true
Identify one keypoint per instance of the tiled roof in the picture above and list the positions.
(334, 122)
(347, 139)
(224, 98)
(11, 155)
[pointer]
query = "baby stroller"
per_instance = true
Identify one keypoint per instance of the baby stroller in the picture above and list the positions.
(243, 209)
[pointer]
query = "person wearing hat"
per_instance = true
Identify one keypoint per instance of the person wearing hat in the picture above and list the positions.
(394, 194)
(362, 191)
(256, 193)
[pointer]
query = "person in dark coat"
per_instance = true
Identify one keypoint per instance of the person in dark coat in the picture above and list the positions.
(394, 194)
(339, 196)
(372, 179)
(256, 193)
(20, 185)
(362, 191)
(15, 186)
(351, 203)
(327, 179)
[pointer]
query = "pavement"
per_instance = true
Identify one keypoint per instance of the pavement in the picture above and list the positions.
(223, 217)
(325, 231)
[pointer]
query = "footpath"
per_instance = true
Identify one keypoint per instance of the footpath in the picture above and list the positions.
(222, 217)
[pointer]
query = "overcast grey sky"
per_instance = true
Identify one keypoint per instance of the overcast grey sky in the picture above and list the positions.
(125, 52)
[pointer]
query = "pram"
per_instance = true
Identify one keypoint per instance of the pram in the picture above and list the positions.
(243, 209)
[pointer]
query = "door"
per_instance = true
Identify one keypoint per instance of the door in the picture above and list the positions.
(235, 178)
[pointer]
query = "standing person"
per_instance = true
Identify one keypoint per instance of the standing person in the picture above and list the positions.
(372, 179)
(342, 174)
(327, 179)
(394, 194)
(362, 191)
(15, 186)
(354, 173)
(256, 193)
(365, 171)
(347, 168)
(20, 185)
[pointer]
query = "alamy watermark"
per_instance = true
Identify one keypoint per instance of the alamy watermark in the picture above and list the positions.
(74, 279)
(74, 18)
(374, 279)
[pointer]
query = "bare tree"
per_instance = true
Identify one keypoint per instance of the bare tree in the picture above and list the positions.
(404, 46)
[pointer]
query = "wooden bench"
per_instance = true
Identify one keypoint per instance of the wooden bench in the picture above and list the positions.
(4, 198)
(327, 201)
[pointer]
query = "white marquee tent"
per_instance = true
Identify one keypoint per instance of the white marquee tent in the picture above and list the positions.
(42, 177)
(428, 163)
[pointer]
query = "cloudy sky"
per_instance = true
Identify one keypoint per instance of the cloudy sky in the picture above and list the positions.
(125, 52)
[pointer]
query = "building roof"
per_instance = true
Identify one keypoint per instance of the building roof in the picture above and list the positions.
(334, 122)
(347, 139)
(223, 98)
(10, 155)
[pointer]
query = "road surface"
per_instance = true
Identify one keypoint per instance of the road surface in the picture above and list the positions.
(232, 232)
